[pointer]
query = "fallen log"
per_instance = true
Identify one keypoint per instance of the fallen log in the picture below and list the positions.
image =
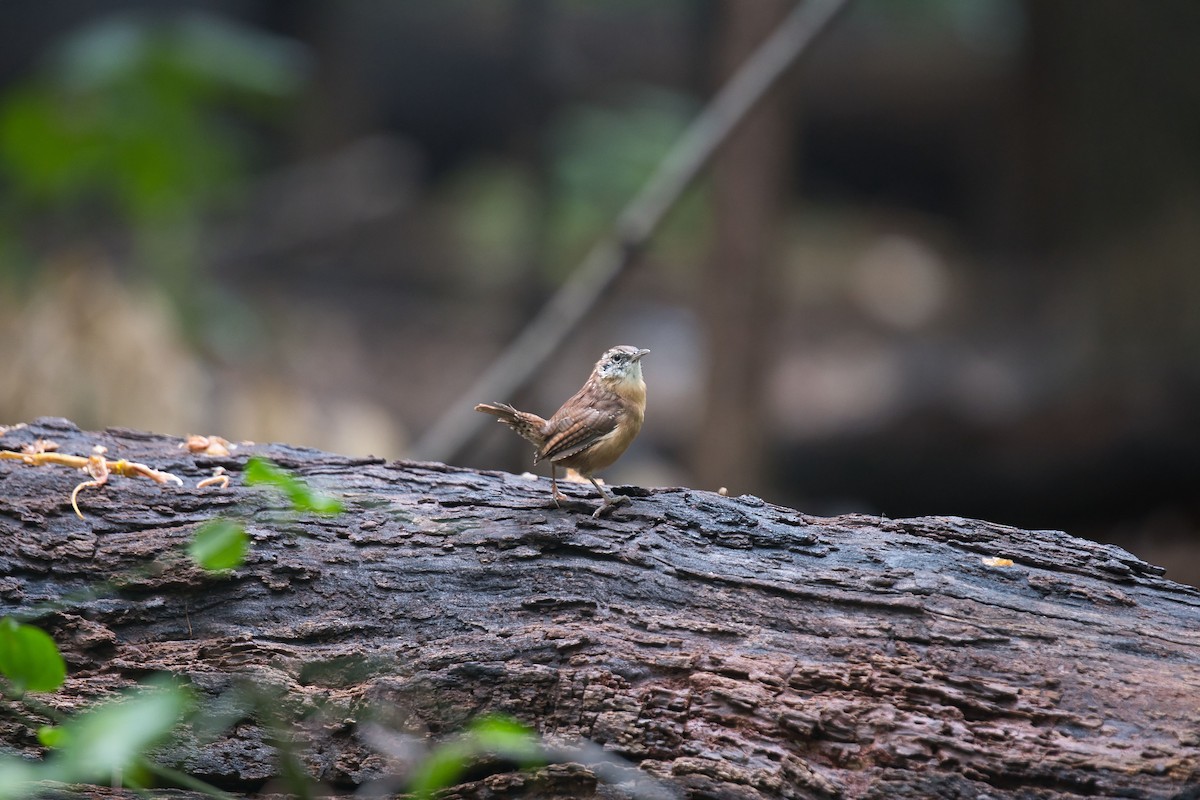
(726, 647)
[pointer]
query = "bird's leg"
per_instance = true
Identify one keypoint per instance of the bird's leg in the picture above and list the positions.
(554, 492)
(609, 500)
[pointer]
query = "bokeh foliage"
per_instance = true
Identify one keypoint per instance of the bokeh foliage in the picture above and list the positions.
(138, 125)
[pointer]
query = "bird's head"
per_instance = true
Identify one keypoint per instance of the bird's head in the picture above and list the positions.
(620, 364)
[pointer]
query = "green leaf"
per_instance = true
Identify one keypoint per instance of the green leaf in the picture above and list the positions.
(52, 736)
(506, 736)
(442, 768)
(237, 57)
(110, 738)
(491, 735)
(260, 471)
(322, 504)
(220, 544)
(30, 658)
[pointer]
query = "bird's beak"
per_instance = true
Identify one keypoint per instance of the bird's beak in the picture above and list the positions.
(640, 353)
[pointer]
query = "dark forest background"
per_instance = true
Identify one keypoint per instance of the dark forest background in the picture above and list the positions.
(949, 267)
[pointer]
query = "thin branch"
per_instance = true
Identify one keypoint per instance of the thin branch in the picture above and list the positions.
(450, 435)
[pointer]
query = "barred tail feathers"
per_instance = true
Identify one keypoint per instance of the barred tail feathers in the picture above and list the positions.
(528, 426)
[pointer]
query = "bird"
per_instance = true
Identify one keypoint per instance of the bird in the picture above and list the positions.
(593, 428)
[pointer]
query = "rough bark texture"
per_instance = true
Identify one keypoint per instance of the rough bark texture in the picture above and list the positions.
(733, 648)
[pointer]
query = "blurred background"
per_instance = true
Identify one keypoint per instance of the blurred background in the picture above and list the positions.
(949, 266)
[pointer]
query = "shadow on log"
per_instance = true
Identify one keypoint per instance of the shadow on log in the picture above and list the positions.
(728, 647)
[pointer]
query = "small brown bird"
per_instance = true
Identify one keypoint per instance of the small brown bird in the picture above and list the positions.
(593, 428)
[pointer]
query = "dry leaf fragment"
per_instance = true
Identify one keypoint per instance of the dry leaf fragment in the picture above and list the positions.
(39, 445)
(96, 465)
(219, 478)
(993, 561)
(209, 445)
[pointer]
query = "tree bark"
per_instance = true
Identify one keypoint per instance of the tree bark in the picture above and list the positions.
(726, 646)
(740, 278)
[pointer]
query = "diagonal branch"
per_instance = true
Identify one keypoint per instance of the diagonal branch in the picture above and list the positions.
(632, 228)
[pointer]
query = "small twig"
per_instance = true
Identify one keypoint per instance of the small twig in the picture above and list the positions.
(121, 467)
(95, 465)
(219, 478)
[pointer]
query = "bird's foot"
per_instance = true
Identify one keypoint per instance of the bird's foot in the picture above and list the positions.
(559, 498)
(608, 504)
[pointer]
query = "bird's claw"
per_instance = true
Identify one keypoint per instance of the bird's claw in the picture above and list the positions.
(609, 504)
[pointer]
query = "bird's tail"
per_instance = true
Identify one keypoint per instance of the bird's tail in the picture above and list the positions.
(528, 426)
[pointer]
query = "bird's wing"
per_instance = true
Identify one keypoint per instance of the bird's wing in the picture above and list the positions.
(575, 428)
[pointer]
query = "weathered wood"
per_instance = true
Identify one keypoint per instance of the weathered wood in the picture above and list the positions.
(733, 648)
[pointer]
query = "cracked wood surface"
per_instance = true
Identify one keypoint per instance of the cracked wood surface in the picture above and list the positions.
(730, 647)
